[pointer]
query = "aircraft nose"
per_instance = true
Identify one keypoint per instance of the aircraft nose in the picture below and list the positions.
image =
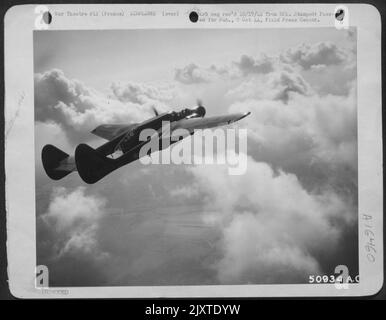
(201, 111)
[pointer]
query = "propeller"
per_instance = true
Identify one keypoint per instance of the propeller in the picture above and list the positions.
(155, 111)
(200, 108)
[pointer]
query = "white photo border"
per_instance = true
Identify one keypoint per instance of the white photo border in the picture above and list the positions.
(20, 21)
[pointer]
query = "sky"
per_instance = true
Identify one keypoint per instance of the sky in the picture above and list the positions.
(143, 55)
(294, 212)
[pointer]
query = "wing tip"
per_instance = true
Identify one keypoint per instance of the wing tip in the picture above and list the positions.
(245, 114)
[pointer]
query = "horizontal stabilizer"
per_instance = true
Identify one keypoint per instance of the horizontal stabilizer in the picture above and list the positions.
(92, 165)
(55, 162)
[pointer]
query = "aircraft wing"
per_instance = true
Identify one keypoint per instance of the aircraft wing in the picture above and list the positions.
(210, 122)
(111, 131)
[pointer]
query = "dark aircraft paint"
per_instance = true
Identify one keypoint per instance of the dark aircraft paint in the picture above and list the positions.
(94, 164)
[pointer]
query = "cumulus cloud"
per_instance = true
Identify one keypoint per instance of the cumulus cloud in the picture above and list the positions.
(336, 80)
(254, 255)
(78, 109)
(304, 68)
(306, 130)
(67, 236)
(277, 85)
(142, 94)
(299, 195)
(193, 74)
(273, 229)
(74, 215)
(301, 121)
(318, 54)
(274, 223)
(248, 64)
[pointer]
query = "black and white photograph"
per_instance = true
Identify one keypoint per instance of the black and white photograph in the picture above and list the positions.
(205, 156)
(292, 214)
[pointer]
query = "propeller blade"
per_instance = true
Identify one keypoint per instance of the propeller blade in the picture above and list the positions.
(155, 111)
(200, 108)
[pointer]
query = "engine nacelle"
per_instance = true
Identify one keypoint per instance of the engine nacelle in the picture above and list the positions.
(199, 111)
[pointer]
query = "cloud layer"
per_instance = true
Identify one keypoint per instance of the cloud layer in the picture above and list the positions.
(79, 109)
(74, 215)
(283, 220)
(318, 54)
(273, 228)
